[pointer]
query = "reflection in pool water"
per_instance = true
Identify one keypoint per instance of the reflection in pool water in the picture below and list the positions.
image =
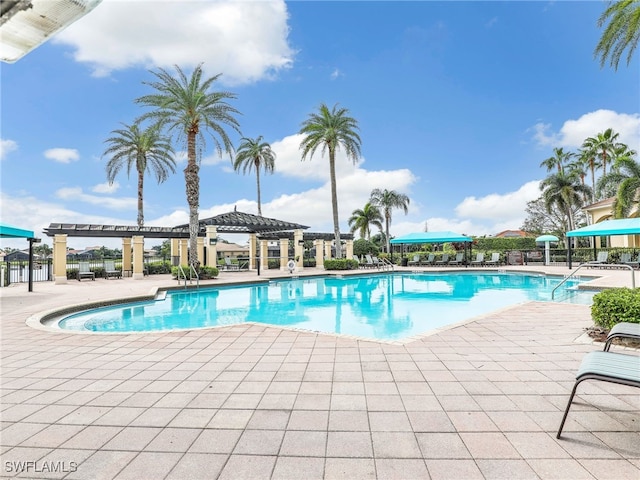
(380, 306)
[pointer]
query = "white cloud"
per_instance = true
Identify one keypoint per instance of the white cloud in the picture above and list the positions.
(62, 155)
(574, 132)
(336, 73)
(106, 187)
(77, 195)
(245, 40)
(6, 147)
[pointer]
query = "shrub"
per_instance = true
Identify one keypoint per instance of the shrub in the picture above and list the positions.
(274, 264)
(616, 305)
(159, 267)
(208, 272)
(341, 264)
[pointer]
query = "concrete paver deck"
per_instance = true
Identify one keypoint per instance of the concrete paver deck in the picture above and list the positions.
(480, 400)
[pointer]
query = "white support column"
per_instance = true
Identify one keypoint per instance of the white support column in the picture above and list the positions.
(175, 249)
(138, 257)
(319, 245)
(200, 248)
(60, 259)
(212, 246)
(252, 252)
(327, 249)
(184, 251)
(298, 248)
(126, 256)
(264, 255)
(284, 253)
(349, 248)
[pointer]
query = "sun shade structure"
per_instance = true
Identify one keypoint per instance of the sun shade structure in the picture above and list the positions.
(547, 238)
(624, 226)
(26, 24)
(7, 231)
(240, 222)
(431, 237)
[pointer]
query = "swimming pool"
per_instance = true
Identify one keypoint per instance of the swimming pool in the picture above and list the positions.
(380, 306)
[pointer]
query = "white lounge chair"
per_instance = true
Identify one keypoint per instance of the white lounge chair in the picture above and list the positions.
(601, 260)
(622, 330)
(457, 260)
(415, 261)
(84, 271)
(110, 270)
(444, 260)
(479, 259)
(495, 259)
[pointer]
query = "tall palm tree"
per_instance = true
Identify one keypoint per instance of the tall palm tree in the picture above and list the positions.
(387, 200)
(622, 32)
(329, 130)
(602, 146)
(362, 219)
(589, 160)
(625, 177)
(559, 160)
(563, 192)
(145, 150)
(186, 107)
(578, 168)
(255, 154)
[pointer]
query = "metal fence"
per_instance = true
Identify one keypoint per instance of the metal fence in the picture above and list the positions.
(18, 271)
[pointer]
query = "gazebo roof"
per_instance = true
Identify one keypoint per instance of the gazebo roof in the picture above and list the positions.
(232, 222)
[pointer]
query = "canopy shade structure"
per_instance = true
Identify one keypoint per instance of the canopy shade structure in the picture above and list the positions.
(431, 237)
(547, 238)
(624, 226)
(7, 231)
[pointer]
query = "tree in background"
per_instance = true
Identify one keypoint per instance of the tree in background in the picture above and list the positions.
(187, 108)
(559, 160)
(564, 193)
(621, 33)
(143, 150)
(625, 178)
(602, 146)
(256, 154)
(388, 200)
(362, 219)
(329, 130)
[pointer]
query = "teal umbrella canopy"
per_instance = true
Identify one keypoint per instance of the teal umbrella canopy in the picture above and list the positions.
(624, 226)
(547, 238)
(8, 231)
(431, 237)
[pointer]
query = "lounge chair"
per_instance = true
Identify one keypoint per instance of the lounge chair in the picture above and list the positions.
(607, 367)
(415, 261)
(457, 260)
(444, 260)
(84, 271)
(601, 260)
(479, 259)
(369, 263)
(110, 270)
(622, 330)
(429, 260)
(228, 265)
(632, 263)
(377, 262)
(495, 259)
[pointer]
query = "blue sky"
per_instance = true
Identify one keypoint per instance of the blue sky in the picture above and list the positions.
(457, 102)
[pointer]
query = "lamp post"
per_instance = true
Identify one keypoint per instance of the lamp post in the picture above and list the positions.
(31, 242)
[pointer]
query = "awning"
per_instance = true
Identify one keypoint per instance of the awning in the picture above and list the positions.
(431, 237)
(7, 231)
(624, 226)
(547, 238)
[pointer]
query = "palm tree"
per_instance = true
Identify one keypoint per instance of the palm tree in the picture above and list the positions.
(559, 160)
(388, 200)
(186, 108)
(362, 219)
(589, 161)
(144, 150)
(602, 146)
(625, 177)
(255, 154)
(328, 130)
(563, 192)
(622, 32)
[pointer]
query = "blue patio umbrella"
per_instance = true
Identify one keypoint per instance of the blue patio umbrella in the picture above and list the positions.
(547, 239)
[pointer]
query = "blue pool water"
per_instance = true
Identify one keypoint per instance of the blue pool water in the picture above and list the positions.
(381, 306)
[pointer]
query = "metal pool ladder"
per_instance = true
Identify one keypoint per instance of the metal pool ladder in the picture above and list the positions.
(564, 280)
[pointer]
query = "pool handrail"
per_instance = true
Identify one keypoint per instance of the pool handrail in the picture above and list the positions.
(587, 264)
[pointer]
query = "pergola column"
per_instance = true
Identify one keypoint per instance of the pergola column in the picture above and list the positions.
(298, 248)
(126, 255)
(212, 246)
(327, 249)
(349, 248)
(200, 248)
(264, 255)
(175, 249)
(184, 251)
(319, 245)
(252, 251)
(60, 259)
(284, 253)
(138, 257)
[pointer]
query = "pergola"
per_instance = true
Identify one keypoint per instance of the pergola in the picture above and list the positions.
(260, 230)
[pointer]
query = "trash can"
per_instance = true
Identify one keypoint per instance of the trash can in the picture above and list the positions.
(404, 261)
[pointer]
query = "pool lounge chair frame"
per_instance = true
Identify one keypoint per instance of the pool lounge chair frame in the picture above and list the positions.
(458, 260)
(495, 259)
(622, 330)
(84, 271)
(602, 258)
(110, 270)
(444, 260)
(429, 260)
(606, 367)
(479, 259)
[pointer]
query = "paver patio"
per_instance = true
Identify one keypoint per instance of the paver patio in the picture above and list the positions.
(481, 400)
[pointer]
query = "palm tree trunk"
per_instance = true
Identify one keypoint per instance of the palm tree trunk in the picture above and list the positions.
(140, 198)
(258, 185)
(387, 220)
(593, 181)
(192, 182)
(334, 201)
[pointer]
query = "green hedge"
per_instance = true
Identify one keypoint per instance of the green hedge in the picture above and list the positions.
(503, 244)
(616, 305)
(341, 264)
(204, 273)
